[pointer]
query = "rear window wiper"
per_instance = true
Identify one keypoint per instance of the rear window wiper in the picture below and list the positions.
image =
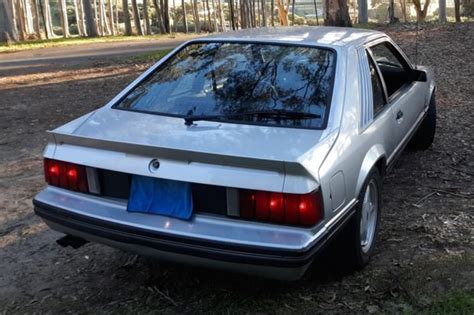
(277, 113)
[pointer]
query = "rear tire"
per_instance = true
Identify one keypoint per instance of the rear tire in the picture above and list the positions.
(362, 229)
(424, 136)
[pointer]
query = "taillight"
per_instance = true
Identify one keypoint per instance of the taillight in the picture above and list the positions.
(65, 175)
(292, 209)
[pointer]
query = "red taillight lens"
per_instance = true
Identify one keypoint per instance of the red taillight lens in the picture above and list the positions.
(293, 209)
(65, 175)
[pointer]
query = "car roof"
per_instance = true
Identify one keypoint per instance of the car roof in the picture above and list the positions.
(307, 35)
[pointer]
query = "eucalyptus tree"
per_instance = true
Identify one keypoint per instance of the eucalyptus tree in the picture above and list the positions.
(91, 26)
(7, 28)
(62, 10)
(126, 18)
(146, 17)
(337, 13)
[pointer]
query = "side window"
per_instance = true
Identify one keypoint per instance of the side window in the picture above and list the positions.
(377, 89)
(395, 71)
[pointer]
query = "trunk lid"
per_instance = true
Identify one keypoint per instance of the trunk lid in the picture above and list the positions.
(215, 153)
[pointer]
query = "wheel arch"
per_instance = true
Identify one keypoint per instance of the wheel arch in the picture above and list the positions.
(375, 157)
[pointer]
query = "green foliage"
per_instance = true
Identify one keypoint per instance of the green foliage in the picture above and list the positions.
(456, 302)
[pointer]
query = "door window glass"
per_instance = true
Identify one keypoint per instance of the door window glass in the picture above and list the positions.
(377, 89)
(395, 71)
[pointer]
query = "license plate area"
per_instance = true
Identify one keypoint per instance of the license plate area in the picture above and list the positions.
(160, 196)
(208, 199)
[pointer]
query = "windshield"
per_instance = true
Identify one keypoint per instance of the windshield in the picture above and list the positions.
(223, 79)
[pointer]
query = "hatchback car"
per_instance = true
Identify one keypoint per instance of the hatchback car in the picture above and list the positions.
(247, 151)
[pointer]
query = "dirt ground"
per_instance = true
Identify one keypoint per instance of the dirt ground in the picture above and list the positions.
(424, 257)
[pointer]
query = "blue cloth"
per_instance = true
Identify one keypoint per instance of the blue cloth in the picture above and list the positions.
(160, 196)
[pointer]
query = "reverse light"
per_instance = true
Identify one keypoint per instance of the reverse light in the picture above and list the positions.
(292, 209)
(65, 175)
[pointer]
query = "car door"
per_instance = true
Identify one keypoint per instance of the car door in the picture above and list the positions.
(405, 96)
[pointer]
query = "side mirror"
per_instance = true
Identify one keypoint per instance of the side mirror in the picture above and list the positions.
(418, 75)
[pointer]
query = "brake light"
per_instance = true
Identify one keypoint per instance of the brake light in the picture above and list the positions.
(293, 209)
(65, 175)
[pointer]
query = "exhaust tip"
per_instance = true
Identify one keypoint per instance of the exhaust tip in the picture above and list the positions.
(73, 241)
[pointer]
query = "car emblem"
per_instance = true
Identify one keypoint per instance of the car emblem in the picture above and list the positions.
(154, 165)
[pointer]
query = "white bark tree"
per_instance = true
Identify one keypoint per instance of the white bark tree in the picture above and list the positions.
(110, 9)
(36, 19)
(48, 23)
(63, 18)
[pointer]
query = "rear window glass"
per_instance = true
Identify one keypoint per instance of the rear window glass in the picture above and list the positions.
(222, 79)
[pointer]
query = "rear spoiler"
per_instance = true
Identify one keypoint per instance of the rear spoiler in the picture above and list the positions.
(183, 165)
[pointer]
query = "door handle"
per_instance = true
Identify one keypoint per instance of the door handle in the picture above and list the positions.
(399, 115)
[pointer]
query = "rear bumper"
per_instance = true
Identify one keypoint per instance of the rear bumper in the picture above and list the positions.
(271, 262)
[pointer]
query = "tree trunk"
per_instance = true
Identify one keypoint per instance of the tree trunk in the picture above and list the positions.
(185, 21)
(403, 6)
(214, 15)
(126, 18)
(7, 28)
(337, 13)
(391, 9)
(21, 23)
(243, 22)
(293, 13)
(82, 17)
(457, 10)
(236, 13)
(208, 15)
(159, 16)
(146, 17)
(136, 18)
(264, 14)
(282, 12)
(117, 24)
(253, 17)
(96, 18)
(78, 19)
(175, 23)
(197, 22)
(165, 13)
(30, 26)
(62, 10)
(91, 26)
(103, 18)
(110, 9)
(272, 9)
(220, 12)
(36, 19)
(421, 11)
(442, 11)
(363, 12)
(46, 13)
(231, 13)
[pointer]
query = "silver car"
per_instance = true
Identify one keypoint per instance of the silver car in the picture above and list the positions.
(247, 151)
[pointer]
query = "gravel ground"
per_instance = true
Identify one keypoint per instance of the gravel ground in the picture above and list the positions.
(425, 249)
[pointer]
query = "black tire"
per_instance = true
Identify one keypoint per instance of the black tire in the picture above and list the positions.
(424, 136)
(357, 256)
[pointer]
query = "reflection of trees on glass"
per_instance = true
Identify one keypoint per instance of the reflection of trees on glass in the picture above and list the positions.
(228, 78)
